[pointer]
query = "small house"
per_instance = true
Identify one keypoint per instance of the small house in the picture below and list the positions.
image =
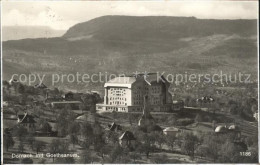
(40, 86)
(235, 130)
(127, 139)
(27, 121)
(177, 105)
(221, 129)
(114, 127)
(72, 105)
(171, 131)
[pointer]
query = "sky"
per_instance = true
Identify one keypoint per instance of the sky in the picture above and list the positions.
(62, 15)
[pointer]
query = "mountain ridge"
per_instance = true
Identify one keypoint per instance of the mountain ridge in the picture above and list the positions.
(119, 44)
(165, 27)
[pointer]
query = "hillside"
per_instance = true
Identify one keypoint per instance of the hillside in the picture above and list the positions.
(125, 44)
(157, 28)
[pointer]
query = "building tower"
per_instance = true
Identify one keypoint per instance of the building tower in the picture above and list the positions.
(146, 119)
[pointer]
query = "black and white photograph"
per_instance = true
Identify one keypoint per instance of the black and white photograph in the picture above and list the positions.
(129, 82)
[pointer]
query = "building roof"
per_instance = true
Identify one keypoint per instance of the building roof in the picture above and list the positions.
(25, 118)
(121, 82)
(41, 85)
(127, 81)
(66, 102)
(154, 78)
(82, 117)
(220, 129)
(233, 128)
(12, 80)
(171, 129)
(178, 102)
(127, 135)
(115, 127)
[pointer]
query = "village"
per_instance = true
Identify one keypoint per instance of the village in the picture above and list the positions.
(138, 121)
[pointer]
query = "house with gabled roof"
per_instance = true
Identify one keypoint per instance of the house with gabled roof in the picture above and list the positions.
(114, 127)
(127, 139)
(27, 121)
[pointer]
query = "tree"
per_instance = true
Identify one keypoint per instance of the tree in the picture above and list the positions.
(56, 91)
(252, 141)
(114, 115)
(90, 101)
(123, 159)
(98, 134)
(134, 155)
(171, 120)
(21, 147)
(8, 141)
(27, 161)
(57, 146)
(20, 132)
(147, 145)
(86, 157)
(38, 146)
(30, 139)
(45, 127)
(189, 144)
(198, 118)
(227, 149)
(87, 132)
(74, 128)
(42, 161)
(130, 118)
(112, 137)
(116, 153)
(16, 110)
(214, 124)
(20, 88)
(212, 147)
(38, 111)
(62, 122)
(93, 109)
(73, 139)
(66, 160)
(170, 140)
(158, 138)
(82, 107)
(104, 150)
(201, 151)
(160, 159)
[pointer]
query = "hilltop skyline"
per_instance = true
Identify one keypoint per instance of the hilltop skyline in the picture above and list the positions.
(57, 17)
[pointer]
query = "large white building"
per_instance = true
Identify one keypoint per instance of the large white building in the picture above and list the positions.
(126, 94)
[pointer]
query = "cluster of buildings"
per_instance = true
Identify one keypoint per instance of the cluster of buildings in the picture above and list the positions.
(126, 94)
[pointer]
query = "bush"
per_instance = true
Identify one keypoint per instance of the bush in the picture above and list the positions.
(159, 159)
(27, 161)
(207, 118)
(198, 118)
